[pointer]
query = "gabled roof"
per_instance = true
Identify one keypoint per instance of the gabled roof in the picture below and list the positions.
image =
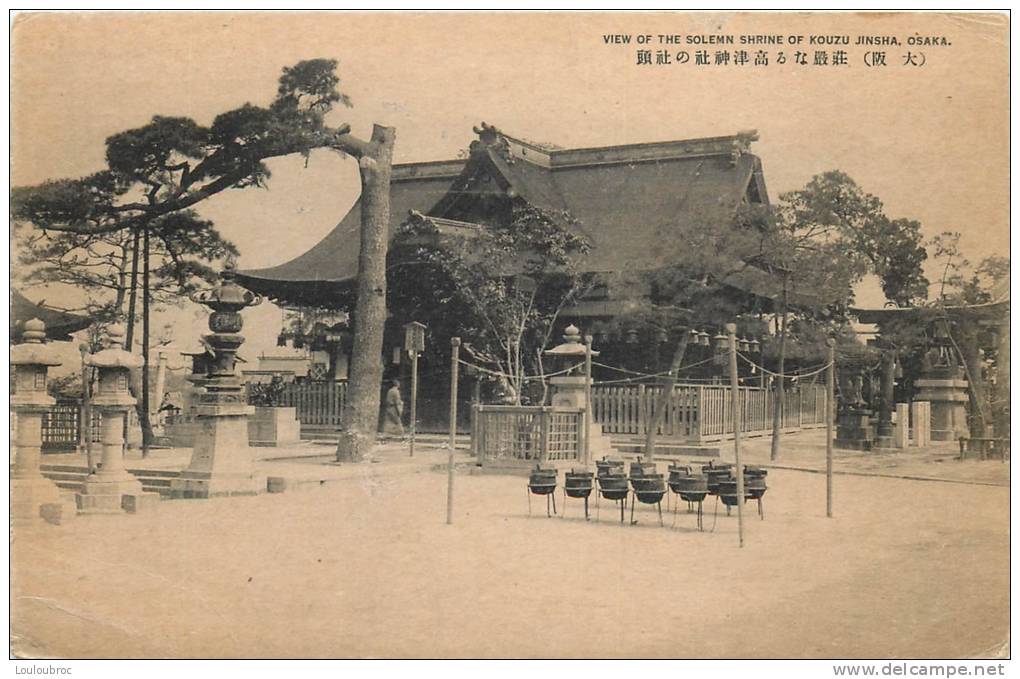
(628, 199)
(59, 324)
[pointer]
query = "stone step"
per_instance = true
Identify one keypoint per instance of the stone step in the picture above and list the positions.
(71, 477)
(327, 433)
(156, 473)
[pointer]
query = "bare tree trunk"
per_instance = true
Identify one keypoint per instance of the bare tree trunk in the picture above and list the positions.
(667, 391)
(122, 279)
(361, 410)
(777, 409)
(129, 341)
(143, 412)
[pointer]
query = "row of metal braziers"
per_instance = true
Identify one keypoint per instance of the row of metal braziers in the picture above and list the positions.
(645, 485)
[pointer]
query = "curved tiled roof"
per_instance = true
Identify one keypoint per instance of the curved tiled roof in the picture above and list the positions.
(627, 199)
(59, 324)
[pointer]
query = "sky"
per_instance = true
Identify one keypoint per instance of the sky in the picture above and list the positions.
(931, 141)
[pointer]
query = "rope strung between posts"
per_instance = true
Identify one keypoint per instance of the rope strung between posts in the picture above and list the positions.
(640, 375)
(636, 372)
(629, 379)
(529, 378)
(814, 370)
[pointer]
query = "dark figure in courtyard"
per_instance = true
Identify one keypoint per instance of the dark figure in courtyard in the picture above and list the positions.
(393, 415)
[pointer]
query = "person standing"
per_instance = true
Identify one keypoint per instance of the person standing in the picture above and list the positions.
(393, 418)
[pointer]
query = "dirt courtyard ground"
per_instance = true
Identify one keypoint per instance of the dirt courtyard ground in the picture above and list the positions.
(367, 567)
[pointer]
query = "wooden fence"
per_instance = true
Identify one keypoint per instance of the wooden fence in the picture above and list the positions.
(526, 434)
(317, 403)
(703, 412)
(61, 427)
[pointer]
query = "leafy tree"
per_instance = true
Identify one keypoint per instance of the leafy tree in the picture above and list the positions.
(816, 243)
(823, 239)
(184, 247)
(960, 281)
(833, 216)
(501, 287)
(156, 172)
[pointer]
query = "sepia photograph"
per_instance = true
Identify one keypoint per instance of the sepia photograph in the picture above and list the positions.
(333, 333)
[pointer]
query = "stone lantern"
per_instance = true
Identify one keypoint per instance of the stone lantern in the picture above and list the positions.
(572, 389)
(854, 429)
(105, 489)
(31, 359)
(943, 383)
(221, 461)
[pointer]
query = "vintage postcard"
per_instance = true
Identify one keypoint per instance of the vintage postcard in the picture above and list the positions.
(675, 335)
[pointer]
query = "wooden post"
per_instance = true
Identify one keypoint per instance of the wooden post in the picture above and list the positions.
(544, 426)
(414, 397)
(454, 370)
(476, 401)
(699, 414)
(830, 401)
(642, 410)
(587, 399)
(779, 412)
(731, 330)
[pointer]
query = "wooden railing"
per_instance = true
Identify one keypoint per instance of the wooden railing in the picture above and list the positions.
(703, 412)
(526, 434)
(317, 403)
(61, 426)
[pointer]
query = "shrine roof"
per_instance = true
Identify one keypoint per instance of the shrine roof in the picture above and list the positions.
(59, 324)
(627, 199)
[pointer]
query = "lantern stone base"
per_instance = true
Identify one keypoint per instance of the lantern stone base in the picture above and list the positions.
(948, 398)
(28, 495)
(853, 430)
(104, 493)
(221, 464)
(274, 427)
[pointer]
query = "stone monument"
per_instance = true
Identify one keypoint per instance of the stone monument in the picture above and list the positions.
(30, 490)
(106, 488)
(221, 462)
(853, 424)
(901, 433)
(920, 420)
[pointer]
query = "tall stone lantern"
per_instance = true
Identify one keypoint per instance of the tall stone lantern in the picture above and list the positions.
(943, 383)
(572, 389)
(104, 489)
(221, 462)
(31, 359)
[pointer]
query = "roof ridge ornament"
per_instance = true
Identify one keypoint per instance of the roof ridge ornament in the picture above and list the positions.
(487, 134)
(742, 144)
(489, 137)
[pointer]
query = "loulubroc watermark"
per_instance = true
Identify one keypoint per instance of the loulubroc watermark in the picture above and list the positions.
(41, 669)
